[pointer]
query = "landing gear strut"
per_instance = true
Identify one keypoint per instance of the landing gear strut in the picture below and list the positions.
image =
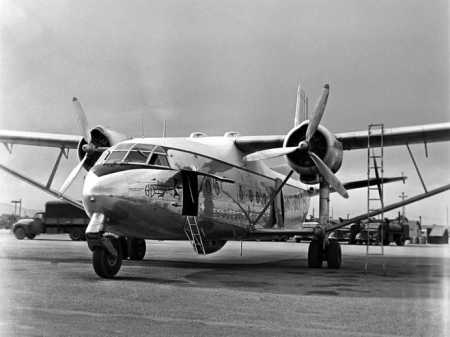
(321, 248)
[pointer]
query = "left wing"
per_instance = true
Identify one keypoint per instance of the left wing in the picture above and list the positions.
(10, 137)
(427, 133)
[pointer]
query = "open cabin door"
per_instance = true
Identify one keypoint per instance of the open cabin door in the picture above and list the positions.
(190, 194)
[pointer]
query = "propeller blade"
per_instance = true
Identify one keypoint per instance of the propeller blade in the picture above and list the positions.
(379, 182)
(270, 153)
(71, 177)
(318, 113)
(82, 120)
(329, 176)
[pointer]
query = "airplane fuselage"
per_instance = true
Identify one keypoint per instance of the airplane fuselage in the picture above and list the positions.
(141, 187)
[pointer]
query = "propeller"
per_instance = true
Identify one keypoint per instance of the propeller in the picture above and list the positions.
(328, 175)
(71, 177)
(84, 126)
(82, 120)
(304, 145)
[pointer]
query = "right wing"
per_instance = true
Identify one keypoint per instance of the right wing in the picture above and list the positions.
(426, 133)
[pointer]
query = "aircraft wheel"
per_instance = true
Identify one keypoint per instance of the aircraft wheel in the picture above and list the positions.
(136, 248)
(315, 254)
(105, 264)
(31, 236)
(19, 233)
(334, 254)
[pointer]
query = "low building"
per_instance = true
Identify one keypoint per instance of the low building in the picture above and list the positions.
(437, 234)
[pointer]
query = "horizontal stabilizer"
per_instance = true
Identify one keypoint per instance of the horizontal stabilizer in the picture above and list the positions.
(373, 181)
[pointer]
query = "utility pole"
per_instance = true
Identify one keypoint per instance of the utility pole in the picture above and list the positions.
(403, 196)
(17, 202)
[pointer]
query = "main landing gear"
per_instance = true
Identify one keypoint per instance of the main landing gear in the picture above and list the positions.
(108, 252)
(331, 253)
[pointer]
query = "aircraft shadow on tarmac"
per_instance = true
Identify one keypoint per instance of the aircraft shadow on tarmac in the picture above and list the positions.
(417, 279)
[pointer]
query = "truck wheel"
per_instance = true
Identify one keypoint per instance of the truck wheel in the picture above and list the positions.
(315, 254)
(334, 254)
(136, 248)
(105, 264)
(19, 233)
(31, 236)
(76, 235)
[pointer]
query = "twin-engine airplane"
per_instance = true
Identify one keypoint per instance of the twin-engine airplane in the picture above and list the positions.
(212, 189)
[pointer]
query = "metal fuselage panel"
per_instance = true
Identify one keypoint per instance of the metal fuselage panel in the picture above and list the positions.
(148, 202)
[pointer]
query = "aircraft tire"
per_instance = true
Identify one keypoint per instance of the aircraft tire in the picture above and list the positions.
(334, 254)
(315, 254)
(106, 265)
(19, 233)
(137, 249)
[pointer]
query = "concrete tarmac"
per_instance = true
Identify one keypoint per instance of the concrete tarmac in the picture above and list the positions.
(48, 288)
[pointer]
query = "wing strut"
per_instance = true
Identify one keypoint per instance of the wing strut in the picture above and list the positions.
(272, 198)
(42, 187)
(389, 207)
(417, 167)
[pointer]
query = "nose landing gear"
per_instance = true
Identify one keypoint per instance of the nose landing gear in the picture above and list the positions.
(107, 257)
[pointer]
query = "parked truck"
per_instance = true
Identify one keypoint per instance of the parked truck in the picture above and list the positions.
(386, 231)
(59, 217)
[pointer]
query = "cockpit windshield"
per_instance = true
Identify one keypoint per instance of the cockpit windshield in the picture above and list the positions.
(138, 154)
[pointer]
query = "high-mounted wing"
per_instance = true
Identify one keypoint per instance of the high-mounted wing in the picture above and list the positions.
(427, 133)
(9, 137)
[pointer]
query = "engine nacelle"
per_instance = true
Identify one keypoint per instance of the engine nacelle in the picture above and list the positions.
(100, 138)
(323, 143)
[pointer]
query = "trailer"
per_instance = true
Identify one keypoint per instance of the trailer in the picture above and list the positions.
(59, 217)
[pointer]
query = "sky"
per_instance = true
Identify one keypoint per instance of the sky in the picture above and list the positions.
(216, 66)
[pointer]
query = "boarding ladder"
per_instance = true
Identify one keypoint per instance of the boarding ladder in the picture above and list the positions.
(194, 235)
(375, 193)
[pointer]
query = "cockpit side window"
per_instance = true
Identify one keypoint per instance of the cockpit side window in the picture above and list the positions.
(116, 156)
(137, 157)
(159, 160)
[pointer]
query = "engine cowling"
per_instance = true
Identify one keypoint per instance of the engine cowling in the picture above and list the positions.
(101, 138)
(324, 144)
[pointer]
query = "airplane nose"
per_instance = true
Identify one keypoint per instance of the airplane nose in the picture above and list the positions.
(99, 192)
